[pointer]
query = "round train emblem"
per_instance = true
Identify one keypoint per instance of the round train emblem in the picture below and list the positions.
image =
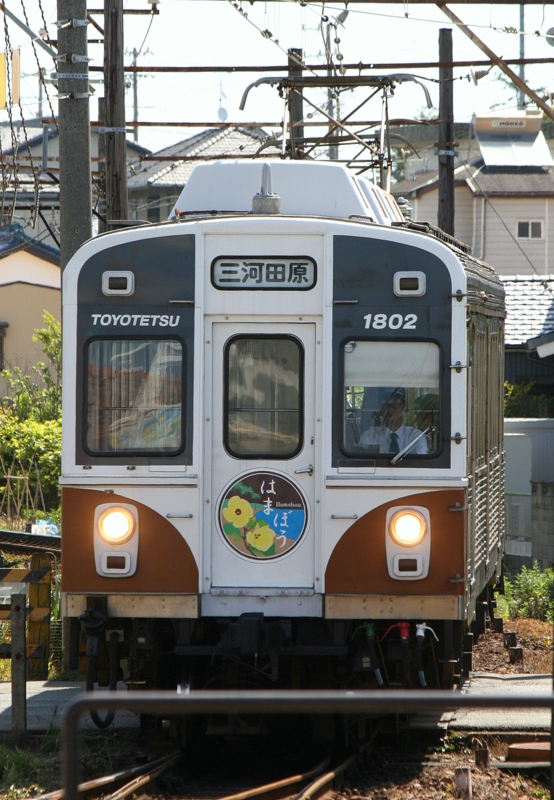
(263, 515)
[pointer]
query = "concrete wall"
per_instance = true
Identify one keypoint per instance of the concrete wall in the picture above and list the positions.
(518, 434)
(519, 539)
(542, 513)
(541, 432)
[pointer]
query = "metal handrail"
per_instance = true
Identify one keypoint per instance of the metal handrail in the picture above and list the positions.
(369, 701)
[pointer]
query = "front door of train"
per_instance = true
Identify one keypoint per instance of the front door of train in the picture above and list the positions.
(260, 467)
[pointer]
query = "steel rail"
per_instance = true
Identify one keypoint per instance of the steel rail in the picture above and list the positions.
(274, 702)
(142, 780)
(278, 785)
(106, 780)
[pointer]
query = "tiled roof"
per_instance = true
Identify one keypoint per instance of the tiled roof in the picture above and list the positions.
(530, 307)
(35, 139)
(425, 181)
(213, 143)
(499, 181)
(513, 181)
(13, 238)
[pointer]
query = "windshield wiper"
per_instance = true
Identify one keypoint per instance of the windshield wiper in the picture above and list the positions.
(405, 450)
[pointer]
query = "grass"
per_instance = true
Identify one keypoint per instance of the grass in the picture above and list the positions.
(32, 765)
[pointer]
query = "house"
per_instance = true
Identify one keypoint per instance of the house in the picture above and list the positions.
(35, 150)
(530, 319)
(155, 186)
(30, 280)
(504, 190)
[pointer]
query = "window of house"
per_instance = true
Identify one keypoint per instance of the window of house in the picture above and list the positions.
(264, 397)
(134, 396)
(529, 229)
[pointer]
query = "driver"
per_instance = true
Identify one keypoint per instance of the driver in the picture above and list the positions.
(392, 435)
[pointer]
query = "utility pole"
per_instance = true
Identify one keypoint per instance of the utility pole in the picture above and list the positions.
(102, 227)
(445, 216)
(296, 104)
(520, 95)
(114, 99)
(74, 128)
(135, 95)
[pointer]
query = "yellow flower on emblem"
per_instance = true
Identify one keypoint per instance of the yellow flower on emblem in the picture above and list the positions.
(261, 538)
(238, 512)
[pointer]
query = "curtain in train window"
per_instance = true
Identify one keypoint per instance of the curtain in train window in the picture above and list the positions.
(391, 398)
(134, 396)
(264, 388)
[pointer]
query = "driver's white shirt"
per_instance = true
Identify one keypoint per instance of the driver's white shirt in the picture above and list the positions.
(406, 434)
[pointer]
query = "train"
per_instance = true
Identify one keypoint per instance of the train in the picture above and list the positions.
(282, 457)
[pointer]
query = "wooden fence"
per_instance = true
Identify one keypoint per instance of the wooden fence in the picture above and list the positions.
(28, 651)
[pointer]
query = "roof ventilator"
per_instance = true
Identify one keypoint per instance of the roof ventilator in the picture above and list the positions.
(265, 202)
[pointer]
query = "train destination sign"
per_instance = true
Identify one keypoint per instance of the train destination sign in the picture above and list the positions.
(263, 272)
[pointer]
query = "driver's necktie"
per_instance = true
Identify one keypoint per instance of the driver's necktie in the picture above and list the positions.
(394, 443)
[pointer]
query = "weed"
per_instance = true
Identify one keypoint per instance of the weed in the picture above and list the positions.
(530, 594)
(20, 771)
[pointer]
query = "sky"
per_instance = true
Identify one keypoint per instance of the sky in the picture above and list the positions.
(214, 32)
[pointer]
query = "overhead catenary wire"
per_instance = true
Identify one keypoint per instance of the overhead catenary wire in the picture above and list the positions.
(9, 56)
(39, 67)
(268, 35)
(407, 17)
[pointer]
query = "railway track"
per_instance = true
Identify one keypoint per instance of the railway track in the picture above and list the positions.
(21, 542)
(131, 779)
(309, 785)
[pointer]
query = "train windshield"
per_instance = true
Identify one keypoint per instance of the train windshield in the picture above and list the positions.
(391, 399)
(134, 396)
(264, 388)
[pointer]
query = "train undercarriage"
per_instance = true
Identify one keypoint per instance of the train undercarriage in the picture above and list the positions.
(256, 652)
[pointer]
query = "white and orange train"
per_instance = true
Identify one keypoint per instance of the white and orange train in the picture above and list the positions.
(282, 442)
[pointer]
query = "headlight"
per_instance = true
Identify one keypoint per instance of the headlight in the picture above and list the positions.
(407, 527)
(116, 525)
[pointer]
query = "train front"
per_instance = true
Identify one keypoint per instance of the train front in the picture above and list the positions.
(265, 441)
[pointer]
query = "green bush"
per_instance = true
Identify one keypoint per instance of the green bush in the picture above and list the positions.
(37, 445)
(530, 594)
(30, 419)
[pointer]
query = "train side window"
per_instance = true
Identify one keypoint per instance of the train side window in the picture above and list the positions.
(134, 397)
(391, 398)
(263, 416)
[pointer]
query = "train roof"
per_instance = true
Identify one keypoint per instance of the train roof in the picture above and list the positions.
(306, 188)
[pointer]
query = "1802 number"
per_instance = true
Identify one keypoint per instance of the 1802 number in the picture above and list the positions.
(394, 322)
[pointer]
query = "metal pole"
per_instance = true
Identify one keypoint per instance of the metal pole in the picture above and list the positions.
(114, 98)
(296, 104)
(286, 701)
(333, 149)
(445, 216)
(74, 127)
(499, 62)
(19, 653)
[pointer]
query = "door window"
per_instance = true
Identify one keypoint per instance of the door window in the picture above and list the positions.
(263, 416)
